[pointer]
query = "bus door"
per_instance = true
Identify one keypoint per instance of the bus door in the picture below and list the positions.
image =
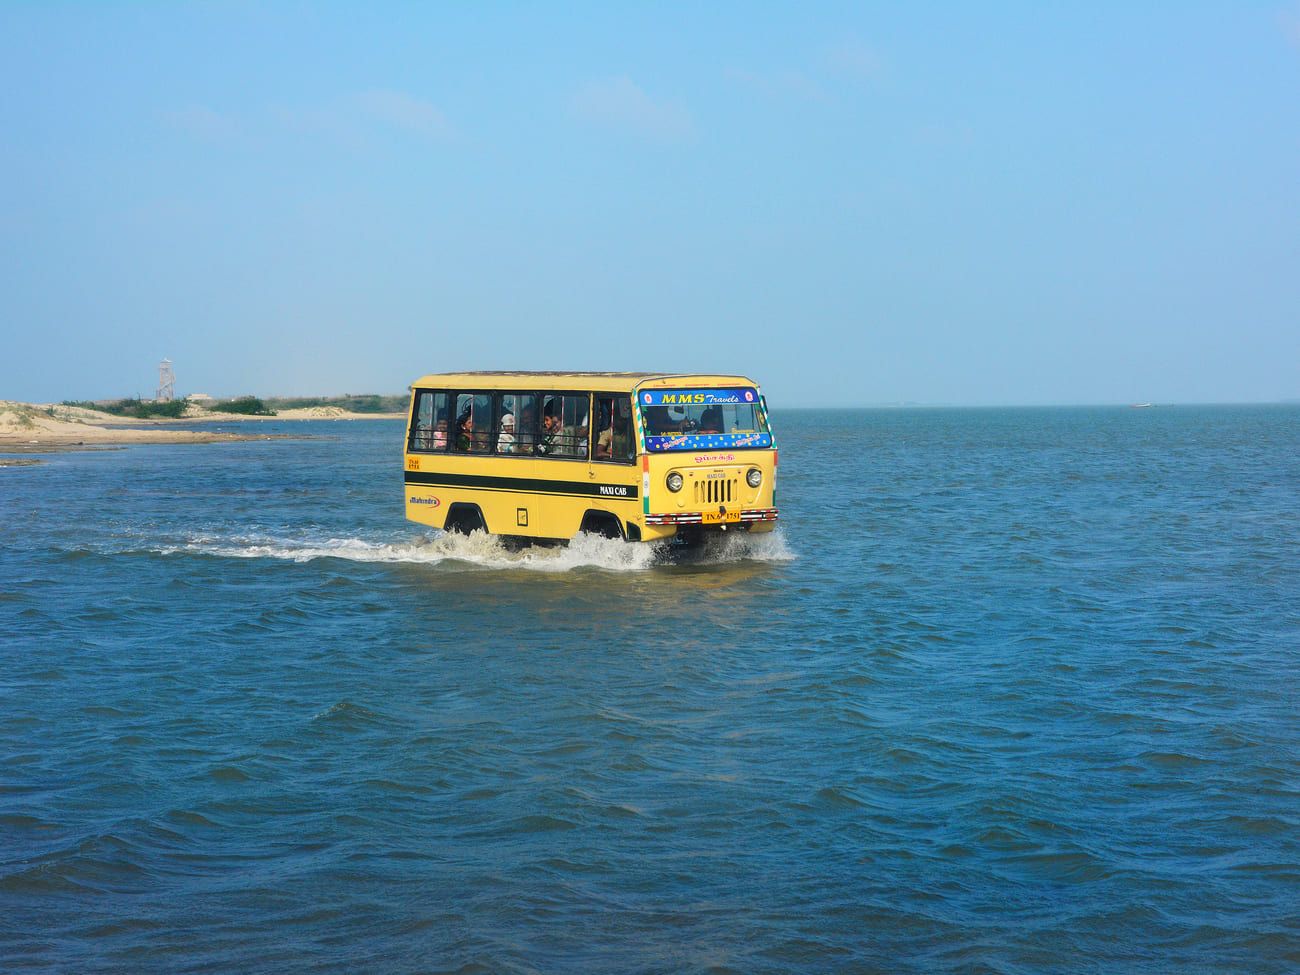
(613, 455)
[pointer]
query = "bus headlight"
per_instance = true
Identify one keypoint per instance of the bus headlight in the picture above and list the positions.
(754, 478)
(674, 481)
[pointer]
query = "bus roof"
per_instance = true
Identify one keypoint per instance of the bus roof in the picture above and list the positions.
(600, 382)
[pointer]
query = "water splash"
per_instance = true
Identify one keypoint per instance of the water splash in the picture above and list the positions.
(740, 547)
(490, 552)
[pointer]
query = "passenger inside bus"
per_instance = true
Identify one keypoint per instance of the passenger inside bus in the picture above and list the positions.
(564, 427)
(474, 422)
(506, 440)
(550, 432)
(464, 430)
(525, 427)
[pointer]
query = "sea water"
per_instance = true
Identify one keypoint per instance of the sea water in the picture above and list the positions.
(1008, 691)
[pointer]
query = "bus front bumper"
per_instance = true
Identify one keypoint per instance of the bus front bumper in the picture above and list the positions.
(741, 516)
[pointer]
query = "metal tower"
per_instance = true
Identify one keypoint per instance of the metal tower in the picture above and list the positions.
(166, 382)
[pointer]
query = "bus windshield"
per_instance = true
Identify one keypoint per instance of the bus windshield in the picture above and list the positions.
(697, 419)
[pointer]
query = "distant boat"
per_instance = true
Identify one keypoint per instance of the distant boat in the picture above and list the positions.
(1140, 406)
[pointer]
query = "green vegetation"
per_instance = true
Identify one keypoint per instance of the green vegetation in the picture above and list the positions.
(140, 409)
(22, 414)
(244, 405)
(360, 403)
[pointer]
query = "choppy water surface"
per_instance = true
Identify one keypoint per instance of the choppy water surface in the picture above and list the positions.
(1011, 691)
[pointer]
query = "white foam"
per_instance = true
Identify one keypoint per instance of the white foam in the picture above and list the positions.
(488, 551)
(743, 547)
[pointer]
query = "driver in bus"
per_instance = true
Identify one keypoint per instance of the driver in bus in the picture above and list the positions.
(660, 421)
(711, 420)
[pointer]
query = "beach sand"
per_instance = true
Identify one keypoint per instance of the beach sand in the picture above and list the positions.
(32, 428)
(195, 413)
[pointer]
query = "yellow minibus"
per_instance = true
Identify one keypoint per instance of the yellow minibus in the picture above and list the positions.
(633, 455)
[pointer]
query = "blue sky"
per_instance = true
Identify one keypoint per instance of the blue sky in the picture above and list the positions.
(940, 203)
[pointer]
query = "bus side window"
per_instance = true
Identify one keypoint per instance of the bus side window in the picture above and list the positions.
(613, 429)
(480, 438)
(516, 423)
(507, 424)
(624, 436)
(472, 427)
(563, 431)
(421, 437)
(441, 420)
(576, 425)
(429, 425)
(460, 426)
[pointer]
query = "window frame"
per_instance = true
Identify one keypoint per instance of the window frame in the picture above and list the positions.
(541, 406)
(631, 422)
(453, 432)
(497, 410)
(417, 393)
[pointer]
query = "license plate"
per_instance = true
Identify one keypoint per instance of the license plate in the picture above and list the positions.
(717, 517)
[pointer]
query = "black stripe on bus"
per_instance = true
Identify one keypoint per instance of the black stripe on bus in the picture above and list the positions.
(526, 485)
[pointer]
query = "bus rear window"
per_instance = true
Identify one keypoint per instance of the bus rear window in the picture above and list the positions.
(693, 419)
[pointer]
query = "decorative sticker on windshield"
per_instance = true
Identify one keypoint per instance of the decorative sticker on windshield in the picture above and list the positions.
(708, 441)
(697, 397)
(703, 419)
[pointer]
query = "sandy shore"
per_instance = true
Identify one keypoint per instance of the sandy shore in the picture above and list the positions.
(307, 413)
(196, 414)
(30, 428)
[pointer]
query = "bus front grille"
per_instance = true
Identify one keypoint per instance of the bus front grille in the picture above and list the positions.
(717, 491)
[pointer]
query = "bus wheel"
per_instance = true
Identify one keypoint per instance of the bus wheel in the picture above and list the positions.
(463, 519)
(601, 523)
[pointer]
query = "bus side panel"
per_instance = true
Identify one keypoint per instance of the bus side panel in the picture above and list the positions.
(571, 488)
(626, 507)
(506, 512)
(426, 506)
(562, 513)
